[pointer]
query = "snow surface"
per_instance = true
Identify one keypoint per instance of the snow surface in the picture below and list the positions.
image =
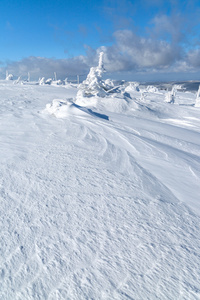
(99, 196)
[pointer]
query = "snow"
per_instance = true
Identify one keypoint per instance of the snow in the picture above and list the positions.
(99, 195)
(197, 104)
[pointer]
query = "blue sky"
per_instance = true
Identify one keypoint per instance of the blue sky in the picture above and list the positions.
(140, 39)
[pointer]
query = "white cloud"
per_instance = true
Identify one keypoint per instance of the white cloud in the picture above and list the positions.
(193, 58)
(129, 53)
(45, 67)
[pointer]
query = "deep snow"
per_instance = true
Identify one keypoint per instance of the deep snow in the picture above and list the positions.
(99, 196)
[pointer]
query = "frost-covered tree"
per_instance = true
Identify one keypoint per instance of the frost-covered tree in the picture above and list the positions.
(18, 80)
(9, 76)
(93, 85)
(197, 103)
(170, 96)
(48, 81)
(42, 81)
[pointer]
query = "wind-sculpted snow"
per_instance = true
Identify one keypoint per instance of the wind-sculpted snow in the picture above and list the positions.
(94, 208)
(63, 108)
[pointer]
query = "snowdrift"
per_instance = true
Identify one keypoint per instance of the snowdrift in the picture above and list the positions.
(99, 194)
(63, 109)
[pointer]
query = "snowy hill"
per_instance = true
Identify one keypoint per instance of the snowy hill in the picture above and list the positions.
(99, 194)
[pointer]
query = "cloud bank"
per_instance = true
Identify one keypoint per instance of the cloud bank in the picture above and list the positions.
(164, 48)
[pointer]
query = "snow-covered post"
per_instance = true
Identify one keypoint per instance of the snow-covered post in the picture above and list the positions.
(197, 103)
(55, 76)
(78, 79)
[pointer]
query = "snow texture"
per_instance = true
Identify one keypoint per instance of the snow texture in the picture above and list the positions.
(197, 103)
(99, 195)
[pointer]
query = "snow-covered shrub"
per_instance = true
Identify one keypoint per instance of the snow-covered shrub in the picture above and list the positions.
(42, 81)
(152, 89)
(58, 108)
(197, 103)
(58, 82)
(48, 81)
(170, 96)
(18, 80)
(132, 87)
(9, 77)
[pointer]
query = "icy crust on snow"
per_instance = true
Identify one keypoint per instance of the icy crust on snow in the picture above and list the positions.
(97, 209)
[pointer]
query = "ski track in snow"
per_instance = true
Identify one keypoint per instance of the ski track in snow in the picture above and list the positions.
(87, 210)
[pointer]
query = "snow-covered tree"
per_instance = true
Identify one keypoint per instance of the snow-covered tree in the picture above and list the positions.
(48, 81)
(18, 80)
(42, 81)
(9, 76)
(93, 85)
(170, 96)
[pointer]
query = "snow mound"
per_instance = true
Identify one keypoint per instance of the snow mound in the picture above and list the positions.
(152, 89)
(132, 87)
(64, 108)
(114, 103)
(58, 107)
(50, 81)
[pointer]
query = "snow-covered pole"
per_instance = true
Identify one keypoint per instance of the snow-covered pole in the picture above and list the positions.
(78, 79)
(55, 76)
